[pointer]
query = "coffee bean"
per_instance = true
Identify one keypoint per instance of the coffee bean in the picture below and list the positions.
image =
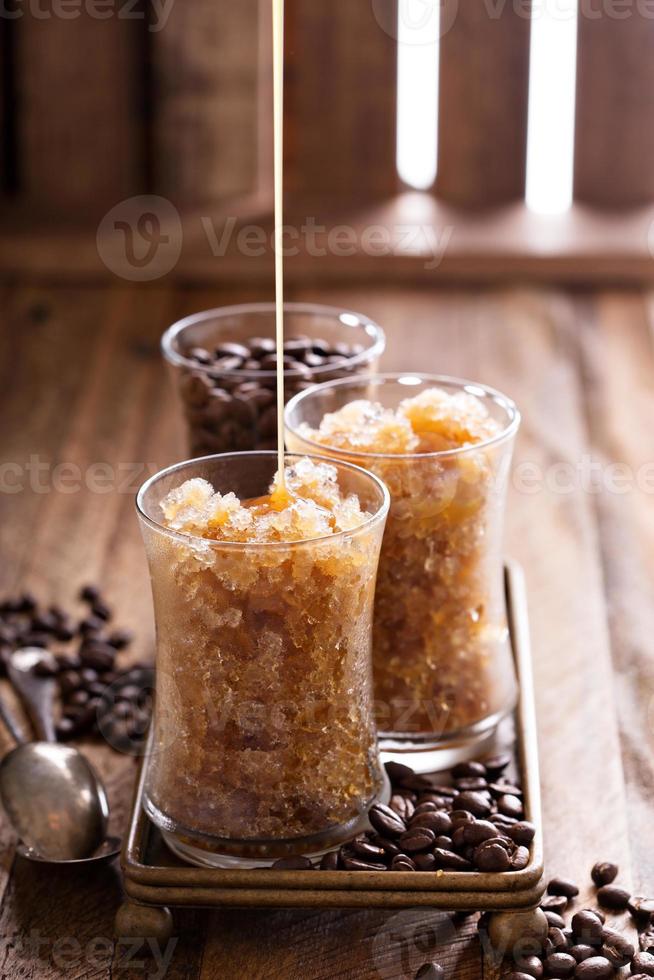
(475, 803)
(520, 858)
(614, 898)
(367, 851)
(359, 864)
(89, 593)
(417, 839)
(78, 698)
(90, 625)
(444, 842)
(386, 821)
(478, 831)
(582, 951)
(616, 948)
(561, 886)
(119, 639)
(594, 968)
(554, 903)
(295, 863)
(646, 940)
(510, 806)
(69, 681)
(329, 861)
(99, 656)
(403, 806)
(641, 909)
(643, 963)
(558, 938)
(560, 965)
(425, 862)
(532, 966)
(496, 765)
(472, 784)
(522, 832)
(555, 920)
(603, 873)
(402, 862)
(438, 822)
(229, 349)
(466, 769)
(587, 928)
(518, 976)
(430, 971)
(492, 856)
(450, 861)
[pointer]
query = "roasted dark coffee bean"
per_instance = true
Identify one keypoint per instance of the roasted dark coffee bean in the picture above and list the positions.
(329, 861)
(475, 803)
(364, 849)
(520, 858)
(641, 909)
(403, 806)
(402, 862)
(614, 898)
(360, 864)
(617, 948)
(496, 765)
(427, 807)
(44, 622)
(438, 822)
(295, 863)
(424, 862)
(594, 968)
(460, 817)
(450, 861)
(89, 593)
(492, 856)
(561, 886)
(229, 349)
(643, 963)
(477, 832)
(532, 966)
(430, 971)
(78, 698)
(444, 842)
(69, 681)
(471, 784)
(558, 939)
(560, 965)
(555, 920)
(603, 873)
(522, 832)
(99, 656)
(466, 769)
(386, 821)
(582, 951)
(510, 806)
(90, 625)
(119, 639)
(88, 675)
(587, 928)
(101, 610)
(646, 940)
(200, 355)
(554, 903)
(417, 839)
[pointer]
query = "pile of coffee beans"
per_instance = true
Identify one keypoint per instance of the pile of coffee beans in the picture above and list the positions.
(81, 652)
(228, 412)
(471, 819)
(585, 947)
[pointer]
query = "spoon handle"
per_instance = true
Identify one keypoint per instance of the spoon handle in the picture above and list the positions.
(36, 693)
(12, 726)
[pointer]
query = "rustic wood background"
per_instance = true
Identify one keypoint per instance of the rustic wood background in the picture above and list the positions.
(82, 382)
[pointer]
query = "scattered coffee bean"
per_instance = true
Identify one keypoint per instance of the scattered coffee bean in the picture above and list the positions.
(643, 963)
(587, 928)
(532, 966)
(603, 873)
(475, 803)
(616, 948)
(554, 903)
(386, 821)
(359, 864)
(496, 765)
(329, 861)
(295, 863)
(522, 832)
(369, 852)
(555, 920)
(641, 909)
(563, 887)
(417, 839)
(614, 898)
(492, 856)
(402, 862)
(466, 769)
(646, 940)
(560, 965)
(582, 952)
(594, 968)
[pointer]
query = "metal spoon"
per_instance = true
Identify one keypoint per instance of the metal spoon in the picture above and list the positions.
(51, 793)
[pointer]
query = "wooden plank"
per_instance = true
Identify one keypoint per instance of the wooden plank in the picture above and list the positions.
(205, 92)
(614, 144)
(80, 142)
(341, 80)
(484, 78)
(618, 371)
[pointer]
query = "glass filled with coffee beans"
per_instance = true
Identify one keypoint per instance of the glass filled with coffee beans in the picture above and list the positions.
(443, 669)
(223, 364)
(264, 744)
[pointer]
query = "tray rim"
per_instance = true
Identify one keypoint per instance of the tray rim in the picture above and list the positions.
(191, 885)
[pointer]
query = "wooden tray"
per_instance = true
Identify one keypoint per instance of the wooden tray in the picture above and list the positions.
(154, 877)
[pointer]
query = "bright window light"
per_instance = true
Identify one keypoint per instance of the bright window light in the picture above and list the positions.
(417, 91)
(553, 71)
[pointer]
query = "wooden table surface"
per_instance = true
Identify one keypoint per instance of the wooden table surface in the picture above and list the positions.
(82, 383)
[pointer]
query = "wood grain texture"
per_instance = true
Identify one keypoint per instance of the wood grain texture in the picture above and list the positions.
(341, 71)
(71, 72)
(484, 81)
(206, 102)
(81, 381)
(614, 146)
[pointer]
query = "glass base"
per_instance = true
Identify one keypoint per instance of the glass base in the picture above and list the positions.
(212, 852)
(424, 752)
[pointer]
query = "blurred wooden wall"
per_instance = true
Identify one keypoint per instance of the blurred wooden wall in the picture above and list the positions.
(97, 110)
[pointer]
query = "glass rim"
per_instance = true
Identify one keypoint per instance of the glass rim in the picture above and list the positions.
(380, 514)
(171, 334)
(471, 387)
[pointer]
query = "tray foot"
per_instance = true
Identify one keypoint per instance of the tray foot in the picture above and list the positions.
(514, 933)
(145, 922)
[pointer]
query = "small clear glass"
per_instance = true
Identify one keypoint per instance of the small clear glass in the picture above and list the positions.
(443, 669)
(264, 741)
(235, 409)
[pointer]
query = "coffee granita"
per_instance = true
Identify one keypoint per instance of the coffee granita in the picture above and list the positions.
(440, 645)
(264, 730)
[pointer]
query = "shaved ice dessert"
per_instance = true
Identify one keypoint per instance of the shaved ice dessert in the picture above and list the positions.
(442, 664)
(264, 733)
